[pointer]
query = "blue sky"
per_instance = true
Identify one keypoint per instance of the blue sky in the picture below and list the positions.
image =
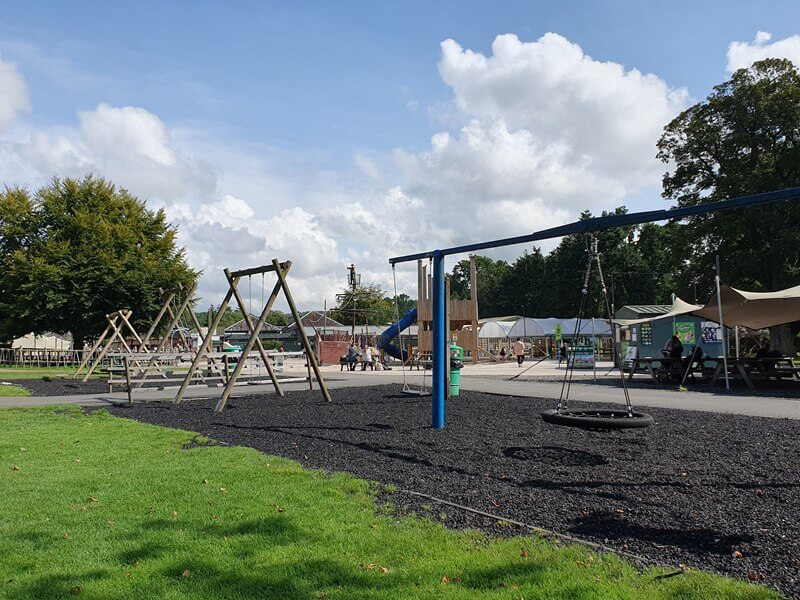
(289, 110)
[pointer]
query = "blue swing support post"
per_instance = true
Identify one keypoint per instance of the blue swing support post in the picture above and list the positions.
(595, 224)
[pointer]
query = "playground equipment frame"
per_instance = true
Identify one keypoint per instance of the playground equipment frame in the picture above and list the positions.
(595, 224)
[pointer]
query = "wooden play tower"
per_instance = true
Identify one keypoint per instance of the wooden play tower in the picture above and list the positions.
(460, 313)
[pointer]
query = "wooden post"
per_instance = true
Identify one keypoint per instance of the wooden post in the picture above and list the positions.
(114, 332)
(128, 379)
(304, 339)
(255, 332)
(259, 345)
(93, 350)
(159, 317)
(203, 349)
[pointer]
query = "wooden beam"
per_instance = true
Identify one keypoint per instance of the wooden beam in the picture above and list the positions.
(255, 332)
(203, 349)
(259, 345)
(306, 344)
(258, 270)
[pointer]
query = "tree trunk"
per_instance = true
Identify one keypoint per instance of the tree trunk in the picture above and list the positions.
(781, 338)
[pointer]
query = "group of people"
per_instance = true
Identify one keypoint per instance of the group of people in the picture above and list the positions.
(367, 356)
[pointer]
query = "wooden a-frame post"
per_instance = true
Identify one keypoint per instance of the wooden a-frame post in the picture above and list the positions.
(281, 270)
(233, 292)
(116, 332)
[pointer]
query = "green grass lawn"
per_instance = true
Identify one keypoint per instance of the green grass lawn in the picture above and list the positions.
(102, 507)
(9, 373)
(13, 390)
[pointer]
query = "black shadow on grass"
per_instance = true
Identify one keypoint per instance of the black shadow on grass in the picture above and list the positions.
(63, 586)
(299, 580)
(697, 540)
(500, 577)
(277, 529)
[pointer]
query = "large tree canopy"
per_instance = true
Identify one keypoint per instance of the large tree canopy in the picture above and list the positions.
(743, 139)
(77, 250)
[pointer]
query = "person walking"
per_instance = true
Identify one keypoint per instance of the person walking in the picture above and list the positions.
(519, 351)
(562, 352)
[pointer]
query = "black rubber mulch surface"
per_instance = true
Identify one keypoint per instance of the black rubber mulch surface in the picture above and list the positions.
(718, 492)
(63, 387)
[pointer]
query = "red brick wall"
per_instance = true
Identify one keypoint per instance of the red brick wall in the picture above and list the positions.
(329, 352)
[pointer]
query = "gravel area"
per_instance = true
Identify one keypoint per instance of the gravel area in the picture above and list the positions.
(62, 386)
(711, 491)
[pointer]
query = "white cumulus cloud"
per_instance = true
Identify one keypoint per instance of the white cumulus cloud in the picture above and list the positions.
(549, 131)
(743, 54)
(13, 93)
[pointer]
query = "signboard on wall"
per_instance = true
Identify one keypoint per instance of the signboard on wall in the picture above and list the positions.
(710, 332)
(646, 331)
(685, 332)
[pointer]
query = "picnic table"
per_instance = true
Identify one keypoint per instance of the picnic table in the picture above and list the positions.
(748, 369)
(659, 367)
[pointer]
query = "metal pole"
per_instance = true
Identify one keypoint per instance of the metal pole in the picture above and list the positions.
(439, 343)
(722, 328)
(594, 350)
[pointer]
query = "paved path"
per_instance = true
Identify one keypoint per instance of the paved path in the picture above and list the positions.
(719, 401)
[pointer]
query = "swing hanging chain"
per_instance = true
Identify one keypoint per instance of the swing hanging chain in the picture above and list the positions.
(614, 346)
(397, 320)
(566, 383)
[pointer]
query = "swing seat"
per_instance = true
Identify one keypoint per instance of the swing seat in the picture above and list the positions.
(598, 418)
(416, 393)
(407, 391)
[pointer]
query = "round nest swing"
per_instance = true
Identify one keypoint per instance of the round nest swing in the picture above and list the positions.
(598, 418)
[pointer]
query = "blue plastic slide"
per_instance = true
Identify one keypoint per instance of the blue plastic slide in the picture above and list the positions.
(385, 339)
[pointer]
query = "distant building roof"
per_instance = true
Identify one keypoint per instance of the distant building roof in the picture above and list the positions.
(649, 309)
(315, 319)
(241, 326)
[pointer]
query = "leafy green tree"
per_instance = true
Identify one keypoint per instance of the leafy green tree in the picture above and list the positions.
(79, 249)
(743, 139)
(492, 275)
(527, 289)
(367, 304)
(404, 304)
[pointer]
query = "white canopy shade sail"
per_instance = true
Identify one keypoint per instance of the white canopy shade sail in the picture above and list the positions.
(755, 310)
(679, 307)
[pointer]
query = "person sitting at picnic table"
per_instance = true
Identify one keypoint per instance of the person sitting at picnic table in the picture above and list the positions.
(764, 354)
(366, 358)
(352, 357)
(673, 348)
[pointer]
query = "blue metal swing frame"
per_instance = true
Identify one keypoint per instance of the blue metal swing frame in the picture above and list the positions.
(440, 354)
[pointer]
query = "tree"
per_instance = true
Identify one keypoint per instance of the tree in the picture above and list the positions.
(743, 139)
(368, 304)
(492, 275)
(404, 303)
(79, 249)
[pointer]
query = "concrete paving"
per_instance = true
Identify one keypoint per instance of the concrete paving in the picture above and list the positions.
(489, 378)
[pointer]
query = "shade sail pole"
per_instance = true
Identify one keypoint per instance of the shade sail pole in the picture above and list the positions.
(722, 329)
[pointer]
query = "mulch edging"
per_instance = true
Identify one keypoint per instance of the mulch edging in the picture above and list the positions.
(59, 386)
(711, 491)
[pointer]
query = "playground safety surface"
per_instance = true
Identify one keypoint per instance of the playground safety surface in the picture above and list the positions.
(711, 491)
(59, 386)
